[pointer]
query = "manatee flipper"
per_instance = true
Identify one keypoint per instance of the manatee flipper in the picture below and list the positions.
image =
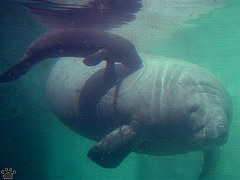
(96, 58)
(211, 158)
(114, 147)
(18, 69)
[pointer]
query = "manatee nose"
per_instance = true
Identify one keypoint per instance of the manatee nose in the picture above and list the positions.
(218, 133)
(222, 133)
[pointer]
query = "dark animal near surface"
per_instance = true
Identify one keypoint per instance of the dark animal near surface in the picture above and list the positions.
(77, 29)
(95, 46)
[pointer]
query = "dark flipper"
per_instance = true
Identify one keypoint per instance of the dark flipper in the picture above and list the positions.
(96, 58)
(114, 147)
(211, 158)
(18, 69)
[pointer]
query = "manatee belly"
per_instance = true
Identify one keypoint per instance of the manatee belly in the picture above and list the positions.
(180, 106)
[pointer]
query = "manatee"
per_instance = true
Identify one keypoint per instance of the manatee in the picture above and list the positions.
(79, 29)
(167, 107)
(95, 46)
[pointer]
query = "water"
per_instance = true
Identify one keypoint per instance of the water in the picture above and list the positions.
(38, 146)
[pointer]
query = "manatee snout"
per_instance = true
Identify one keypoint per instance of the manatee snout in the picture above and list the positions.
(221, 130)
(215, 133)
(221, 134)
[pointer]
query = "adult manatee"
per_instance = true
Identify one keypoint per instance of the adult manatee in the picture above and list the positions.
(166, 107)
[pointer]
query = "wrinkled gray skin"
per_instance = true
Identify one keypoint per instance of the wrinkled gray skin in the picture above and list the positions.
(166, 107)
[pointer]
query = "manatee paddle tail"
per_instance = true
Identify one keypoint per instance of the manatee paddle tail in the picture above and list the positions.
(92, 45)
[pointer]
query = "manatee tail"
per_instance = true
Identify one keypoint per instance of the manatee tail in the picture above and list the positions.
(211, 159)
(18, 69)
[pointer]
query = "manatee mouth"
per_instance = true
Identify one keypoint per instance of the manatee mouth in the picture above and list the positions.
(222, 133)
(212, 135)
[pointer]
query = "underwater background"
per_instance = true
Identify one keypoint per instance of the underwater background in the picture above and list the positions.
(38, 146)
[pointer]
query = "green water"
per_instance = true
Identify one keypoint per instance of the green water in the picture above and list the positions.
(38, 146)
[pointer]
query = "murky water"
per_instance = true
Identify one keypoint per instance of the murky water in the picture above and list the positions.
(38, 146)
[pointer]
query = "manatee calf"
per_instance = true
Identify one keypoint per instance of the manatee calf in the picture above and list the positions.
(79, 29)
(166, 107)
(95, 46)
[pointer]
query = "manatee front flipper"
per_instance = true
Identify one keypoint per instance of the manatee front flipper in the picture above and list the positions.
(114, 147)
(96, 58)
(211, 158)
(99, 56)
